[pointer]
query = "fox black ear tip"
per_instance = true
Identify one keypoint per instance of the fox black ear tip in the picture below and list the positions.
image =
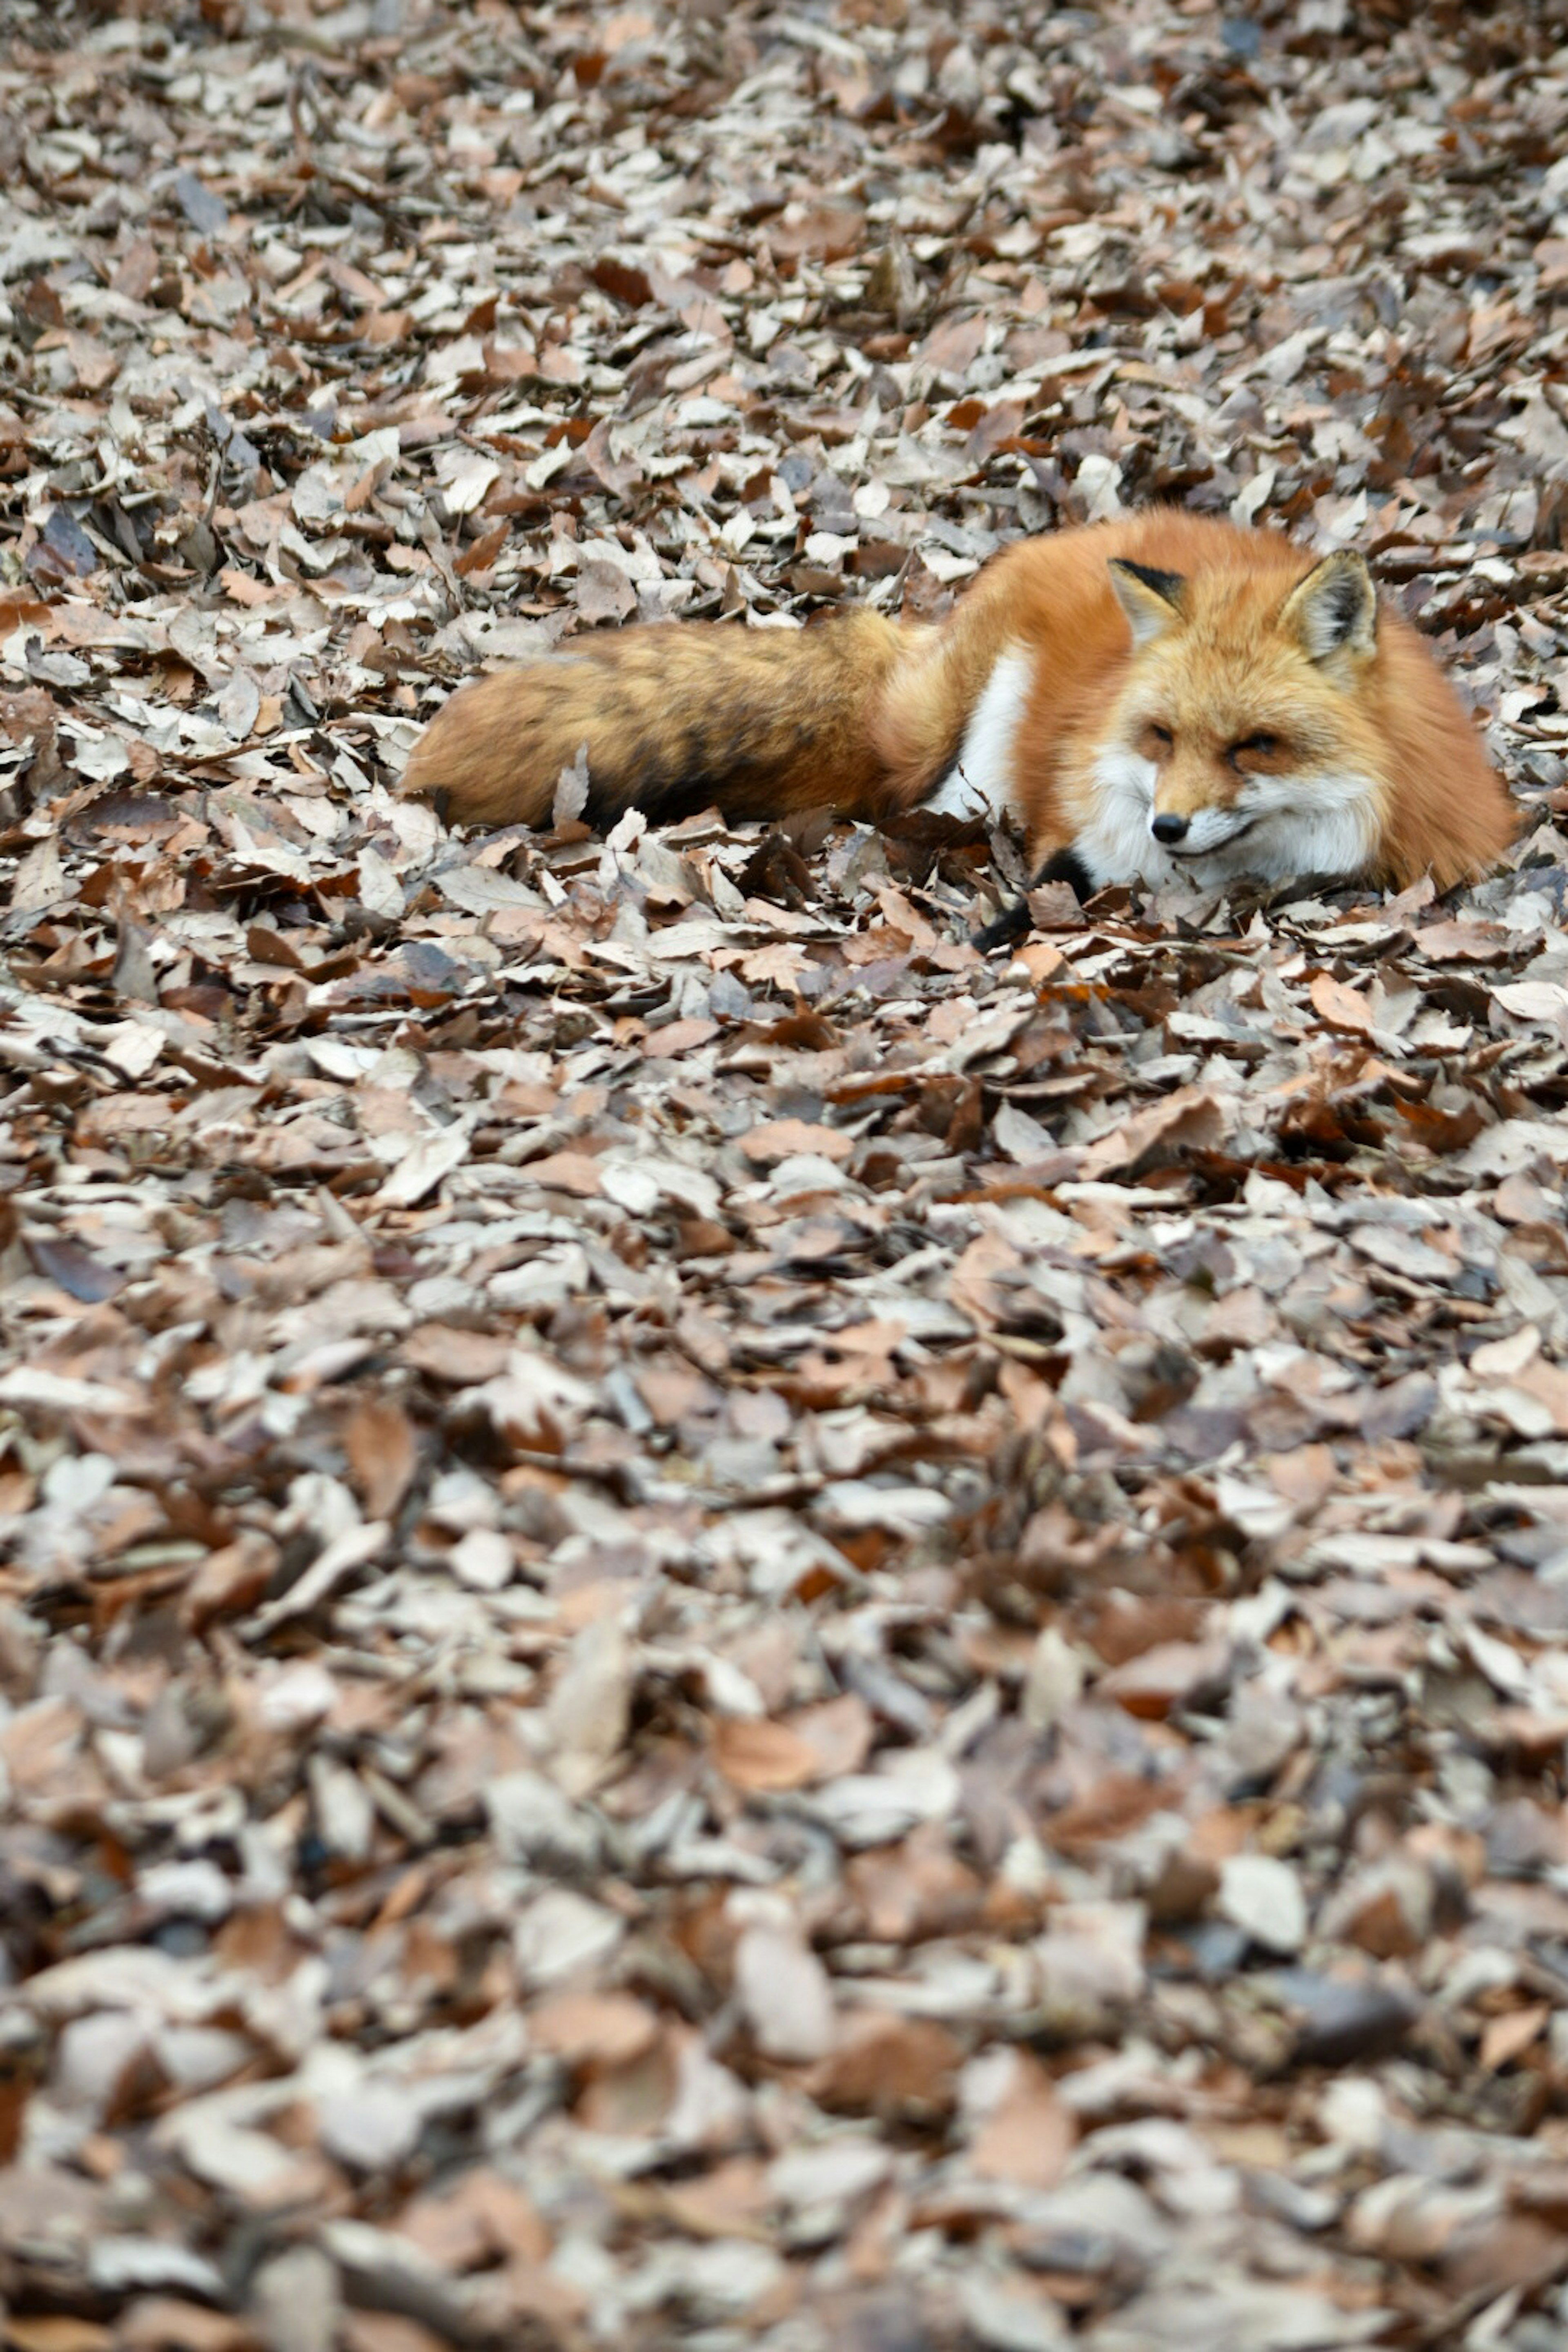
(1166, 585)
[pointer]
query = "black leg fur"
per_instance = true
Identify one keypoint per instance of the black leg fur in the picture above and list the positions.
(1015, 922)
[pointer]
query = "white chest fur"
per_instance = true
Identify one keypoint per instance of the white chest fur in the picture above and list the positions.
(982, 781)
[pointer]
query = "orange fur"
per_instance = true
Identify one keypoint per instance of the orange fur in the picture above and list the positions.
(767, 722)
(1272, 679)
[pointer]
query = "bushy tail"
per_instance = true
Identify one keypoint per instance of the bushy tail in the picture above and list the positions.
(763, 722)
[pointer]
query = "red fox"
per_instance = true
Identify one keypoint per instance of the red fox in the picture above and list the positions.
(1156, 698)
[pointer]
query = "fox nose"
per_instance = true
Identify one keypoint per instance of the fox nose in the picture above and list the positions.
(1169, 828)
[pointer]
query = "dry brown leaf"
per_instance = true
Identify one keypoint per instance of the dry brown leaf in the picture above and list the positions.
(1508, 2037)
(782, 1139)
(757, 1755)
(59, 2334)
(567, 1171)
(1028, 2137)
(1340, 1007)
(481, 2219)
(383, 1452)
(898, 2068)
(1191, 1119)
(594, 2030)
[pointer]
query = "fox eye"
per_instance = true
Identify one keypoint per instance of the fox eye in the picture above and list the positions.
(1262, 743)
(1161, 735)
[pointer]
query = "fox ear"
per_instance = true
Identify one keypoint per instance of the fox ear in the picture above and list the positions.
(1334, 609)
(1152, 600)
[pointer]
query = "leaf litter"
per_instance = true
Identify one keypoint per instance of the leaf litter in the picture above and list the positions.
(717, 1625)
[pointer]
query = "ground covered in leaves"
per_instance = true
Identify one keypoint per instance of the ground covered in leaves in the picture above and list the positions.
(718, 1626)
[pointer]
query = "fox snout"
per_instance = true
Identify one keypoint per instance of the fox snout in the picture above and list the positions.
(1204, 825)
(1190, 809)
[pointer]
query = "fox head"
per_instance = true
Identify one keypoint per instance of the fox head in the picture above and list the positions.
(1239, 740)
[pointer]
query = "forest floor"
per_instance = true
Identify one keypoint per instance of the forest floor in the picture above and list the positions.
(721, 1627)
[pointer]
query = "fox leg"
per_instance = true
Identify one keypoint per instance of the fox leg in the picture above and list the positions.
(1015, 921)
